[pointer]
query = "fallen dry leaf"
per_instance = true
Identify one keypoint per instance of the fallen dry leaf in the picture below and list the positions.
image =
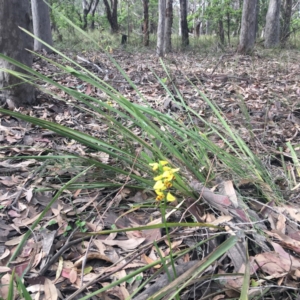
(129, 244)
(50, 290)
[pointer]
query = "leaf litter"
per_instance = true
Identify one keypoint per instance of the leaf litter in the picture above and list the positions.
(255, 94)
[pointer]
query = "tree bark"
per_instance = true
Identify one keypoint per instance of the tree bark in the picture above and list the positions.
(183, 23)
(221, 31)
(14, 13)
(41, 25)
(286, 15)
(247, 34)
(168, 27)
(112, 14)
(146, 23)
(86, 7)
(207, 22)
(228, 27)
(161, 27)
(201, 21)
(93, 10)
(272, 29)
(257, 16)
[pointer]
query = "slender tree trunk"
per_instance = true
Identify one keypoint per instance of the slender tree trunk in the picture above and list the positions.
(221, 32)
(85, 13)
(195, 19)
(14, 13)
(183, 23)
(179, 27)
(257, 15)
(247, 34)
(208, 22)
(41, 24)
(161, 27)
(201, 25)
(237, 6)
(146, 23)
(112, 14)
(287, 14)
(115, 26)
(168, 27)
(93, 10)
(199, 29)
(272, 29)
(86, 6)
(228, 28)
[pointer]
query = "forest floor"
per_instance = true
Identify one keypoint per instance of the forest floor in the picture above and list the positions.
(259, 96)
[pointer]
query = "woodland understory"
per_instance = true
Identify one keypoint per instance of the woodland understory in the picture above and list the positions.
(258, 95)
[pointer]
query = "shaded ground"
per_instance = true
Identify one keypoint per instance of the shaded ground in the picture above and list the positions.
(258, 94)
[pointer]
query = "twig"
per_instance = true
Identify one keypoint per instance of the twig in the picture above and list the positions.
(31, 261)
(220, 59)
(88, 62)
(65, 247)
(101, 277)
(84, 260)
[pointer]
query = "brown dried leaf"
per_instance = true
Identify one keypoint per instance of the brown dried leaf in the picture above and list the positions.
(126, 245)
(4, 286)
(281, 226)
(50, 290)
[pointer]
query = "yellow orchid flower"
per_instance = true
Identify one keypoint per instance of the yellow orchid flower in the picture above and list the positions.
(154, 166)
(170, 197)
(159, 192)
(159, 177)
(168, 184)
(160, 195)
(166, 168)
(170, 169)
(163, 180)
(168, 175)
(159, 185)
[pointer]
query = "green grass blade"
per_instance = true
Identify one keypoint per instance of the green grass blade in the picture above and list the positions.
(23, 289)
(197, 269)
(10, 295)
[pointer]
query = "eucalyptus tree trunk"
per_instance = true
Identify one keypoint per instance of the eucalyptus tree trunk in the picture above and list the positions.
(201, 27)
(221, 31)
(168, 27)
(228, 28)
(183, 23)
(86, 7)
(41, 25)
(14, 13)
(257, 16)
(207, 22)
(161, 27)
(112, 14)
(272, 29)
(286, 15)
(247, 34)
(93, 10)
(146, 23)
